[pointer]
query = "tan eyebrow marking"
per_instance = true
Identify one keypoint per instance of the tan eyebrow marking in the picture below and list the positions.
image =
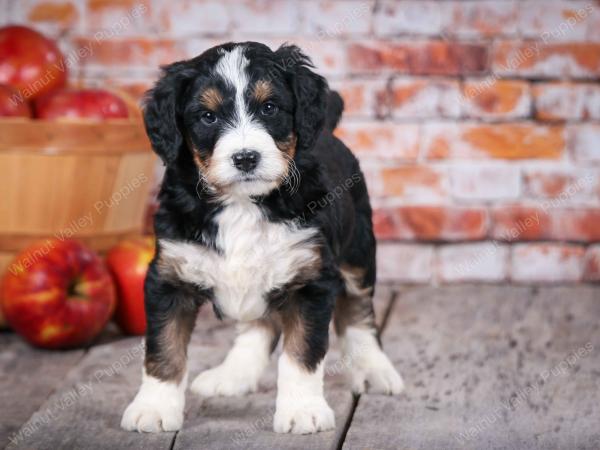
(211, 98)
(262, 90)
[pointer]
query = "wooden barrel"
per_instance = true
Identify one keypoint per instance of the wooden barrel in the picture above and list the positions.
(85, 180)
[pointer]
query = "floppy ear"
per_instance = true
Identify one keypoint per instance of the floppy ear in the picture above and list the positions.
(162, 110)
(310, 91)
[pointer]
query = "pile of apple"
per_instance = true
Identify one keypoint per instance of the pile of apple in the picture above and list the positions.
(33, 78)
(60, 294)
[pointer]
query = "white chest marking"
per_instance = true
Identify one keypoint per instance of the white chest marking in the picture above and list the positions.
(256, 256)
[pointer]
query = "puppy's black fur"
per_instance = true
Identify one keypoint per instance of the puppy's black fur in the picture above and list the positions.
(331, 197)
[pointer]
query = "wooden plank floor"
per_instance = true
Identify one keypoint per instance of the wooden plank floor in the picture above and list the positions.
(485, 367)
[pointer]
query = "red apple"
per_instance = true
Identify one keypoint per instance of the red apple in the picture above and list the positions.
(128, 262)
(11, 104)
(81, 103)
(58, 294)
(30, 62)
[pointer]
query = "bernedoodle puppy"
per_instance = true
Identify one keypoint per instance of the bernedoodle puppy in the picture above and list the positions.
(265, 215)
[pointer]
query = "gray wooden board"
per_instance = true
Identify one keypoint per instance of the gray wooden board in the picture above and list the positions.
(489, 368)
(86, 408)
(27, 377)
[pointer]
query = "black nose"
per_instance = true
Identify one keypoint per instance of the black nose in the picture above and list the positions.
(246, 160)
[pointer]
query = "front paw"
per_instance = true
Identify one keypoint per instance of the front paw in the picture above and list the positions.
(377, 377)
(303, 416)
(152, 416)
(222, 380)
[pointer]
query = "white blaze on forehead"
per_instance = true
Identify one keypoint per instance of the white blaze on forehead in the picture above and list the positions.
(232, 68)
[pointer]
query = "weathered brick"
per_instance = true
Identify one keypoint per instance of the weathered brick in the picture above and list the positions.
(265, 17)
(547, 263)
(520, 223)
(190, 17)
(363, 97)
(592, 264)
(511, 141)
(477, 182)
(51, 15)
(418, 58)
(483, 18)
(576, 224)
(404, 262)
(479, 262)
(554, 20)
(422, 98)
(414, 184)
(565, 185)
(126, 52)
(328, 55)
(552, 60)
(491, 98)
(584, 142)
(332, 19)
(567, 101)
(422, 17)
(127, 17)
(381, 139)
(433, 223)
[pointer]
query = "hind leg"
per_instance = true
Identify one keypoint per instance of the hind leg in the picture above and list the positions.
(354, 321)
(243, 366)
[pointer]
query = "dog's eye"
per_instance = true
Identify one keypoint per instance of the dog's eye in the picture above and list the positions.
(208, 118)
(268, 109)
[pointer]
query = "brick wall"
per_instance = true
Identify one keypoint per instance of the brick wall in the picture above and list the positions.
(476, 122)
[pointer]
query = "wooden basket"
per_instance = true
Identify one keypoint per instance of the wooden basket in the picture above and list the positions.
(86, 180)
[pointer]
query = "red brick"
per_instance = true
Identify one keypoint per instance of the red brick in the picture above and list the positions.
(122, 17)
(422, 98)
(118, 52)
(487, 182)
(404, 262)
(479, 262)
(553, 60)
(511, 141)
(433, 223)
(363, 97)
(554, 20)
(414, 184)
(60, 14)
(547, 263)
(520, 223)
(329, 56)
(576, 224)
(483, 18)
(190, 17)
(382, 140)
(592, 264)
(490, 98)
(332, 19)
(567, 101)
(561, 184)
(584, 142)
(410, 17)
(419, 58)
(264, 17)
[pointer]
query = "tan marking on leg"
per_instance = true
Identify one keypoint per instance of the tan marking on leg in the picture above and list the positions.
(168, 363)
(355, 306)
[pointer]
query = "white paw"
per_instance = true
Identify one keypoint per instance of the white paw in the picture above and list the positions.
(303, 416)
(152, 417)
(158, 406)
(221, 380)
(377, 377)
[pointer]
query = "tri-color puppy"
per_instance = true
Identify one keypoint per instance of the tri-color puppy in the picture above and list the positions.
(264, 214)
